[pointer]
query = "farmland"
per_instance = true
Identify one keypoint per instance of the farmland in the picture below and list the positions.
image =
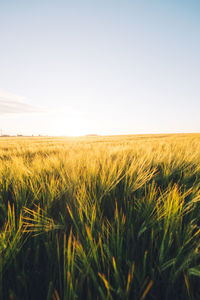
(114, 217)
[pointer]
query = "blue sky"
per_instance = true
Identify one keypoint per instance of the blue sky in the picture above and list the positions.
(104, 67)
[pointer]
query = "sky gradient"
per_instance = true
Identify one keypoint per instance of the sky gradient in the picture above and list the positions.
(103, 67)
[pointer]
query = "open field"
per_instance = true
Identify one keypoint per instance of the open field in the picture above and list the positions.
(100, 217)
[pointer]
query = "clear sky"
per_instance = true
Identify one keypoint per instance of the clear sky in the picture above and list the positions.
(100, 66)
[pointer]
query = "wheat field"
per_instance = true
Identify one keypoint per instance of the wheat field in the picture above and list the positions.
(114, 217)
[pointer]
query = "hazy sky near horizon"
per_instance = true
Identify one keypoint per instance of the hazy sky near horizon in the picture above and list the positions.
(102, 66)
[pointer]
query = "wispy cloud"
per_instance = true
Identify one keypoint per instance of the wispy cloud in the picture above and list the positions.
(14, 104)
